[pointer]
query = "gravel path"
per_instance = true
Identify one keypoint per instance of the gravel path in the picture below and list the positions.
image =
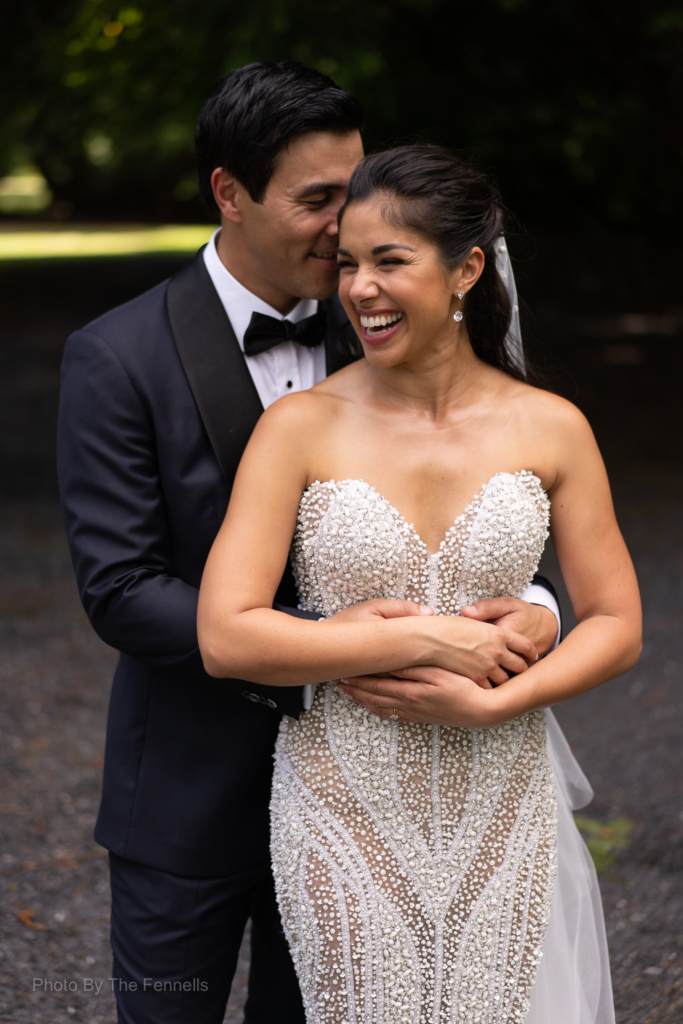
(55, 676)
(54, 690)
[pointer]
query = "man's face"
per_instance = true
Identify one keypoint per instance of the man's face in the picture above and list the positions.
(292, 235)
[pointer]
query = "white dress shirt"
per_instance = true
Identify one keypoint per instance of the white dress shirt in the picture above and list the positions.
(286, 367)
(290, 367)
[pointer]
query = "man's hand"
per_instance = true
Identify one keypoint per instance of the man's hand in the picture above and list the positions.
(533, 621)
(379, 608)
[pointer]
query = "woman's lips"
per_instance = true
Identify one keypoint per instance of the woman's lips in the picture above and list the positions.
(385, 333)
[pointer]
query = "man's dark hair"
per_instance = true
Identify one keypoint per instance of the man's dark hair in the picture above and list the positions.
(253, 113)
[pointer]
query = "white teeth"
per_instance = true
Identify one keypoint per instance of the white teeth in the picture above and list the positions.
(384, 320)
(324, 255)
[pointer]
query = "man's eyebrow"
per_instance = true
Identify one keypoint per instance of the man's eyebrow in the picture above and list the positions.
(322, 186)
(390, 245)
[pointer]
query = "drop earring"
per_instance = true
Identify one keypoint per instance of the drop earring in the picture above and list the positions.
(457, 316)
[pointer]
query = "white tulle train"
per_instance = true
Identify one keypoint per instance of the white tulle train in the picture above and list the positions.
(573, 982)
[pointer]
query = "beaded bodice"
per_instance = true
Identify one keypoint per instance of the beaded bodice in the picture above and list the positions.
(351, 544)
(414, 864)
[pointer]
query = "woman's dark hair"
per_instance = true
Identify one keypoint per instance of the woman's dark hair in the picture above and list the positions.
(430, 190)
(253, 113)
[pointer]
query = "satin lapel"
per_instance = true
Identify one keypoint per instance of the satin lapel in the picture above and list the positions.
(213, 361)
(341, 341)
(227, 400)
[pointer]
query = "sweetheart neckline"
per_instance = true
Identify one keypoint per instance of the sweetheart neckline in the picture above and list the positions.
(480, 495)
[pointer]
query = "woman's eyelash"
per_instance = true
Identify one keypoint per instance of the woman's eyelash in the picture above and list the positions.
(397, 262)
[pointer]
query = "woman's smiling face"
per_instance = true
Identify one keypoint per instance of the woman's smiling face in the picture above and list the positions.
(398, 295)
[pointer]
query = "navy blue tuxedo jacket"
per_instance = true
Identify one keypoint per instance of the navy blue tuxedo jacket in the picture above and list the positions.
(157, 406)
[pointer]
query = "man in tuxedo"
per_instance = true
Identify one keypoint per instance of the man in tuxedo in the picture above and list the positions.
(159, 398)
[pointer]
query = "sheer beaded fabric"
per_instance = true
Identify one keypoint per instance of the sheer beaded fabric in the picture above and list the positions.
(414, 864)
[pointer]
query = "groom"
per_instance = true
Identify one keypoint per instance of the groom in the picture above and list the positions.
(159, 398)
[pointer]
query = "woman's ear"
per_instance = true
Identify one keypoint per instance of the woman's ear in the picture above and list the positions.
(469, 271)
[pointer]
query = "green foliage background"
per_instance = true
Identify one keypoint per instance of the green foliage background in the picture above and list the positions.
(575, 105)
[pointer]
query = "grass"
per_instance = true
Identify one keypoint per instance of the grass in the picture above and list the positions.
(42, 241)
(604, 840)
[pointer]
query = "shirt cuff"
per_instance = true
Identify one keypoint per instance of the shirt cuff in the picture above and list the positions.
(309, 688)
(536, 594)
(309, 691)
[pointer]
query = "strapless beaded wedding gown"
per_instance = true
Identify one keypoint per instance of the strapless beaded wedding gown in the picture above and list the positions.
(416, 865)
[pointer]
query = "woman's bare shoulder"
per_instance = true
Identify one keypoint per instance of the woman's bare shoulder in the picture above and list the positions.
(548, 411)
(294, 412)
(554, 431)
(306, 413)
(536, 407)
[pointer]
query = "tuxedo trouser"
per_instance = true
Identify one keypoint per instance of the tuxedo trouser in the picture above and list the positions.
(176, 943)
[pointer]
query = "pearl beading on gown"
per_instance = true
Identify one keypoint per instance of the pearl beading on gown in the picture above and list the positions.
(414, 864)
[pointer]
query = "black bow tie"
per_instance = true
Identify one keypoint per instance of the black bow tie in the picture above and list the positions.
(264, 332)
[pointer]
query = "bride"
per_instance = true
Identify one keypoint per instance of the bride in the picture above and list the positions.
(427, 866)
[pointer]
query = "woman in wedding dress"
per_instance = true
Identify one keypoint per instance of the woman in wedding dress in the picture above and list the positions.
(427, 865)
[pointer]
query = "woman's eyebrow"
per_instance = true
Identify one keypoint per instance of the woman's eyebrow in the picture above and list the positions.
(379, 249)
(390, 245)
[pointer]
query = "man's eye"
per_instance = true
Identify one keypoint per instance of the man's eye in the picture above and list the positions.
(317, 202)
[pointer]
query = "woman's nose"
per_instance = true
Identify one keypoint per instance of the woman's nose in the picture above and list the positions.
(363, 286)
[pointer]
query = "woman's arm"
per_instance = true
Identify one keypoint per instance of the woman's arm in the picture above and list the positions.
(241, 636)
(600, 579)
(602, 586)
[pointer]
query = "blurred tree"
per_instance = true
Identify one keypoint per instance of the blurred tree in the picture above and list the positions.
(575, 105)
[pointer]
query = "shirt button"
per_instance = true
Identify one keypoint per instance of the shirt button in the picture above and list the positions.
(289, 383)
